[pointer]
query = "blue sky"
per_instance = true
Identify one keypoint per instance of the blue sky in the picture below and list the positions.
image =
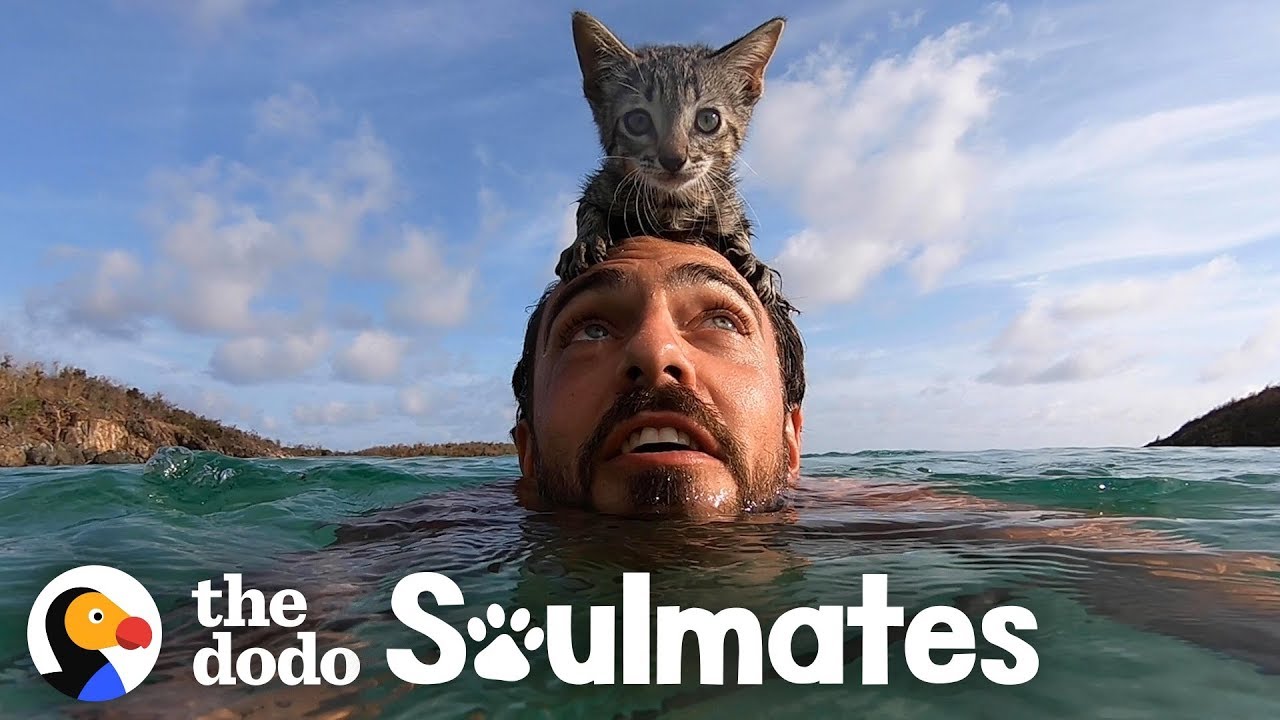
(1007, 224)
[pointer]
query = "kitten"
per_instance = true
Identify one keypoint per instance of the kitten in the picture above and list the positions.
(671, 119)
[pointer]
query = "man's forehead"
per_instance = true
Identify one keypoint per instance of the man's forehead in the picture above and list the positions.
(652, 261)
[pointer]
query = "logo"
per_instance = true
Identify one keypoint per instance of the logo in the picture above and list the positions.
(94, 633)
(505, 641)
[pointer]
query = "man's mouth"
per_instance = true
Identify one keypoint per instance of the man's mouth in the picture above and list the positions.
(659, 436)
(654, 440)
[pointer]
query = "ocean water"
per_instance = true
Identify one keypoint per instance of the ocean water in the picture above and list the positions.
(1152, 575)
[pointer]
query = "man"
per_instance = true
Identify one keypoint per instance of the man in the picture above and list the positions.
(657, 382)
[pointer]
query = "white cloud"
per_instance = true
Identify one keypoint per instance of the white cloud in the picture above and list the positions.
(208, 18)
(1180, 182)
(109, 296)
(296, 112)
(877, 165)
(374, 356)
(256, 359)
(899, 21)
(337, 412)
(1145, 143)
(1088, 361)
(214, 14)
(229, 234)
(913, 410)
(1101, 328)
(324, 208)
(430, 292)
(214, 403)
(1260, 352)
(414, 401)
(1079, 364)
(245, 254)
(899, 163)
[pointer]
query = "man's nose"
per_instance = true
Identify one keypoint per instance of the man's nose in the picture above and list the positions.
(656, 354)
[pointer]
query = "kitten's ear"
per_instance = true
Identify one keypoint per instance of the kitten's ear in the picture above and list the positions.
(751, 53)
(597, 48)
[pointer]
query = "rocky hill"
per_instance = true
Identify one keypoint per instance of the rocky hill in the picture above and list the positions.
(62, 416)
(1253, 421)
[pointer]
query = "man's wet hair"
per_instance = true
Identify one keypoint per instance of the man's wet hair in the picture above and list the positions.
(790, 346)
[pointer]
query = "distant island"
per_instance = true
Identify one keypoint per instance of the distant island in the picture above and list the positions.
(60, 415)
(1253, 421)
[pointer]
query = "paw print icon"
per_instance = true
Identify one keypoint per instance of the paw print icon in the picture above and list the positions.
(502, 659)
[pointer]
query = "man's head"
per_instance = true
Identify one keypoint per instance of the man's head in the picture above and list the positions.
(661, 336)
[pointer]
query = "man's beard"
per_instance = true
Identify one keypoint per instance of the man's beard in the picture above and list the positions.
(665, 489)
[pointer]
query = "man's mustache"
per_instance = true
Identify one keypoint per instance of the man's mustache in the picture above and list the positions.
(667, 398)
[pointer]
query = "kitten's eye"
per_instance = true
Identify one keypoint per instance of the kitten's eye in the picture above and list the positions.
(637, 122)
(708, 120)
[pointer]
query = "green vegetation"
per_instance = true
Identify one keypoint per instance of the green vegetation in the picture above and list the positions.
(1253, 421)
(58, 415)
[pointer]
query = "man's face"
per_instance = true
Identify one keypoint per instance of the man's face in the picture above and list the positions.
(657, 390)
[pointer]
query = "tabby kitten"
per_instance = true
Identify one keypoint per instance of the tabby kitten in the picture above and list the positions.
(672, 119)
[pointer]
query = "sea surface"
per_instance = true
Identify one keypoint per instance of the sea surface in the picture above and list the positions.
(1151, 573)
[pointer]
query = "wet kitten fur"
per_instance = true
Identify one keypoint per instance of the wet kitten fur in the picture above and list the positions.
(672, 119)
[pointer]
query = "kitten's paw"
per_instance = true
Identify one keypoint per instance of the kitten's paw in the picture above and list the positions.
(596, 248)
(572, 261)
(763, 279)
(767, 286)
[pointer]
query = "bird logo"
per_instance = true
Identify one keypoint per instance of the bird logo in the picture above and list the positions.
(94, 633)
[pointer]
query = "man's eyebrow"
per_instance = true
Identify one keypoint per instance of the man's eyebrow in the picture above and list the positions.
(602, 279)
(696, 273)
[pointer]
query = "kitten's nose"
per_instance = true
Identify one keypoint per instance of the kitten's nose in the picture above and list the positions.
(671, 161)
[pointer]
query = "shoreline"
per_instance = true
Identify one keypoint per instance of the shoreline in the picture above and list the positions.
(61, 454)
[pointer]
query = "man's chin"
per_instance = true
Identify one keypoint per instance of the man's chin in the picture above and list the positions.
(657, 490)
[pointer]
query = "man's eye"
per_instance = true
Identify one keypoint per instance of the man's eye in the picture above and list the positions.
(724, 321)
(592, 331)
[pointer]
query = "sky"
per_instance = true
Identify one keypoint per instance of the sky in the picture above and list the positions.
(1006, 225)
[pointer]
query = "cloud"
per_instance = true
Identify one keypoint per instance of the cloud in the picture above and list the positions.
(458, 406)
(908, 410)
(878, 166)
(324, 209)
(1087, 363)
(430, 292)
(452, 406)
(212, 402)
(338, 413)
(208, 18)
(245, 254)
(109, 295)
(1050, 313)
(257, 359)
(1170, 183)
(1259, 352)
(414, 401)
(899, 21)
(374, 356)
(948, 162)
(325, 35)
(229, 236)
(1100, 328)
(296, 112)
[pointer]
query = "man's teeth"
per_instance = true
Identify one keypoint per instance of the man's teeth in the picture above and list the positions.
(646, 436)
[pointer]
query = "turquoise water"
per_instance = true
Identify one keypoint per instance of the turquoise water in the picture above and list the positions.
(1180, 622)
